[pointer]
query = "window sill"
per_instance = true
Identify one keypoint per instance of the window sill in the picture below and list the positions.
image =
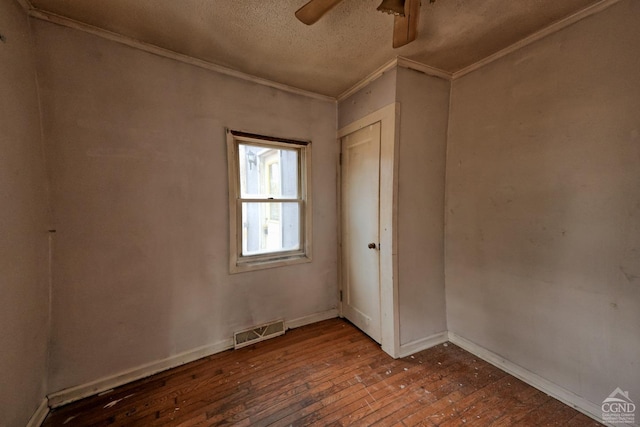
(253, 265)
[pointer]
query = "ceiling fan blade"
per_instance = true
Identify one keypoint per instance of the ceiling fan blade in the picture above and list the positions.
(314, 10)
(405, 28)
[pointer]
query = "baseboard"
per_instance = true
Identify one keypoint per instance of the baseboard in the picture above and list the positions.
(422, 344)
(565, 396)
(73, 394)
(41, 413)
(307, 320)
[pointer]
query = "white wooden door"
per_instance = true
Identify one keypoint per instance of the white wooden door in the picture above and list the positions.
(360, 229)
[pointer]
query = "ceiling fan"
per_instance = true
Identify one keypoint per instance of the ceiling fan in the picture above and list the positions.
(405, 25)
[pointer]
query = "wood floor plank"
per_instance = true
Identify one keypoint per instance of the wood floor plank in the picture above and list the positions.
(325, 374)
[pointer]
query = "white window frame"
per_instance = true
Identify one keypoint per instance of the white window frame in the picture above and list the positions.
(238, 262)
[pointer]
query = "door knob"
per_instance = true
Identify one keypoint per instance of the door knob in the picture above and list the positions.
(371, 245)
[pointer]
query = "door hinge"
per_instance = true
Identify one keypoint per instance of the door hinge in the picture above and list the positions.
(340, 295)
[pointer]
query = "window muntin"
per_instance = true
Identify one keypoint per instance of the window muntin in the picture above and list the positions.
(269, 201)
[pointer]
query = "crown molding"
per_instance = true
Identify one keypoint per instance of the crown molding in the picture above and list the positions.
(166, 53)
(398, 61)
(419, 66)
(423, 68)
(432, 71)
(553, 28)
(368, 79)
(26, 5)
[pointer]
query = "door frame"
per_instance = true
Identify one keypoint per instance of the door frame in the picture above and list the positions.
(389, 118)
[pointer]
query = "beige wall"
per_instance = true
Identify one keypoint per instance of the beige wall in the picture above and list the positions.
(424, 106)
(139, 188)
(543, 213)
(377, 94)
(24, 290)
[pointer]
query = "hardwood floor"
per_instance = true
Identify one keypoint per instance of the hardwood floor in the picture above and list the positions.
(325, 374)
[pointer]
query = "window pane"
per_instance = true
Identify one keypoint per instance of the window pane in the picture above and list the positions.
(268, 172)
(270, 227)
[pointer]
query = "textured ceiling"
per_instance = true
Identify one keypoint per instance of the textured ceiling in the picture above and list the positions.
(263, 38)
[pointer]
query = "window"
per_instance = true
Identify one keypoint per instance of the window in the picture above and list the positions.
(269, 201)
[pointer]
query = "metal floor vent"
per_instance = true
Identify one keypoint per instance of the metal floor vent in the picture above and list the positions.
(258, 333)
